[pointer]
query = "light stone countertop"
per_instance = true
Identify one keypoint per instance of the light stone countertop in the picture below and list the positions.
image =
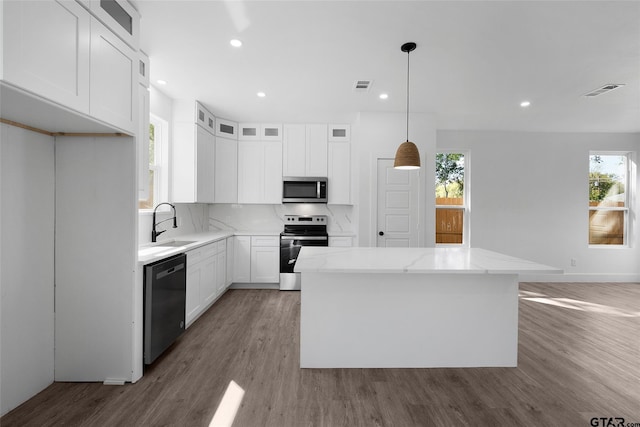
(153, 252)
(414, 260)
(257, 233)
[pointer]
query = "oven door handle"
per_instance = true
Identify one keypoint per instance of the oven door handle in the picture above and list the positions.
(303, 238)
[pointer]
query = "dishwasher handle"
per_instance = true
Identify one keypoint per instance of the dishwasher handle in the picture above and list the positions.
(170, 271)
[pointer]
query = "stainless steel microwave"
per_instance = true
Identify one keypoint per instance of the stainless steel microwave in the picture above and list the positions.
(304, 189)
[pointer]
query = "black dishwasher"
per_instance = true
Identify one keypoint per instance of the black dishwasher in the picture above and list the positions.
(165, 285)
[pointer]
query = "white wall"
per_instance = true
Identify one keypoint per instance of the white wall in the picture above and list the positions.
(529, 198)
(96, 199)
(378, 135)
(27, 264)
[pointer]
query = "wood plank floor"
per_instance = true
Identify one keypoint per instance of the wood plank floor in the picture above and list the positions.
(579, 357)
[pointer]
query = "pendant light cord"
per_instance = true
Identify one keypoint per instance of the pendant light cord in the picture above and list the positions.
(408, 52)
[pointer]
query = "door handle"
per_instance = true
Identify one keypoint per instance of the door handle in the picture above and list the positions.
(381, 233)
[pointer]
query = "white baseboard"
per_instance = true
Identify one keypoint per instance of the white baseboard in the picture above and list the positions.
(580, 277)
(254, 286)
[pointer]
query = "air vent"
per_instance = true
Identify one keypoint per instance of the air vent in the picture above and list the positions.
(606, 88)
(362, 85)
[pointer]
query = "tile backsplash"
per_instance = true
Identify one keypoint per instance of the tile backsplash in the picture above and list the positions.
(192, 218)
(271, 217)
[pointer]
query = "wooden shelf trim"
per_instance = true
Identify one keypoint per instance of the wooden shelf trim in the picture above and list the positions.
(73, 134)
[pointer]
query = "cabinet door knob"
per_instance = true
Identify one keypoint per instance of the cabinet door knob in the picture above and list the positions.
(381, 233)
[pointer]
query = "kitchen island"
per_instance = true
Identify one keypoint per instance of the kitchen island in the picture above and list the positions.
(409, 307)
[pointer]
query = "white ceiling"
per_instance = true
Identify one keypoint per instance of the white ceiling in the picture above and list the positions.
(475, 61)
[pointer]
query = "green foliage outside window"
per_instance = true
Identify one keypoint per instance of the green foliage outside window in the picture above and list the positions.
(449, 175)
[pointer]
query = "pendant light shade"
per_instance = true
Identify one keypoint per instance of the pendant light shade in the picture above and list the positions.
(407, 156)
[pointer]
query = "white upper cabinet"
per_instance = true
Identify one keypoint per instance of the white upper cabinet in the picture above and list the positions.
(339, 174)
(55, 49)
(272, 172)
(249, 131)
(226, 128)
(294, 150)
(260, 172)
(46, 50)
(119, 16)
(226, 171)
(143, 69)
(304, 150)
(339, 133)
(271, 132)
(205, 161)
(316, 150)
(189, 111)
(193, 154)
(113, 78)
(260, 132)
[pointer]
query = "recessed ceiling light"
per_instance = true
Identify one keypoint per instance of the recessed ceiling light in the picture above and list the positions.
(384, 96)
(261, 94)
(235, 43)
(162, 82)
(525, 104)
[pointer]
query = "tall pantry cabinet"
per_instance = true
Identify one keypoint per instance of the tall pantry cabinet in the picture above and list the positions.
(67, 68)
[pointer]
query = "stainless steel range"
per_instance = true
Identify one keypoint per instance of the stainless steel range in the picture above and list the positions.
(299, 231)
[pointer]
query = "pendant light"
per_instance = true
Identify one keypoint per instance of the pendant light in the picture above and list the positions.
(407, 156)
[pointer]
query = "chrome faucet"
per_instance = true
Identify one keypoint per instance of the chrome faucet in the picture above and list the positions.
(154, 233)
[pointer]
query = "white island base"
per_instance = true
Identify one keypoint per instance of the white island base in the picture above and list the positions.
(442, 309)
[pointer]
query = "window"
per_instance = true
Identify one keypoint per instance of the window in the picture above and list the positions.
(451, 198)
(157, 163)
(608, 198)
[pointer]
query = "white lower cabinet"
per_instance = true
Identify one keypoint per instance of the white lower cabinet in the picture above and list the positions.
(242, 259)
(230, 261)
(341, 241)
(265, 263)
(209, 290)
(221, 270)
(194, 285)
(257, 259)
(206, 277)
(193, 304)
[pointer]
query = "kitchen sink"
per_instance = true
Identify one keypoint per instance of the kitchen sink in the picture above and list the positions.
(159, 248)
(176, 243)
(153, 250)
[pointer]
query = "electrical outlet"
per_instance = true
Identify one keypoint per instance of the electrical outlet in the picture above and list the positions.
(574, 262)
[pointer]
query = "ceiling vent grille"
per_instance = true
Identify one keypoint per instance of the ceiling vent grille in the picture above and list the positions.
(604, 89)
(362, 85)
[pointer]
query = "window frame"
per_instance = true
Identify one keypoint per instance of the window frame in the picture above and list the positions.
(628, 192)
(466, 200)
(160, 166)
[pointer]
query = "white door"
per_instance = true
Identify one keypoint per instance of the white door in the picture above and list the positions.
(398, 196)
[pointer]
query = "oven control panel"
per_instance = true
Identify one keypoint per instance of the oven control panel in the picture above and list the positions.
(306, 219)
